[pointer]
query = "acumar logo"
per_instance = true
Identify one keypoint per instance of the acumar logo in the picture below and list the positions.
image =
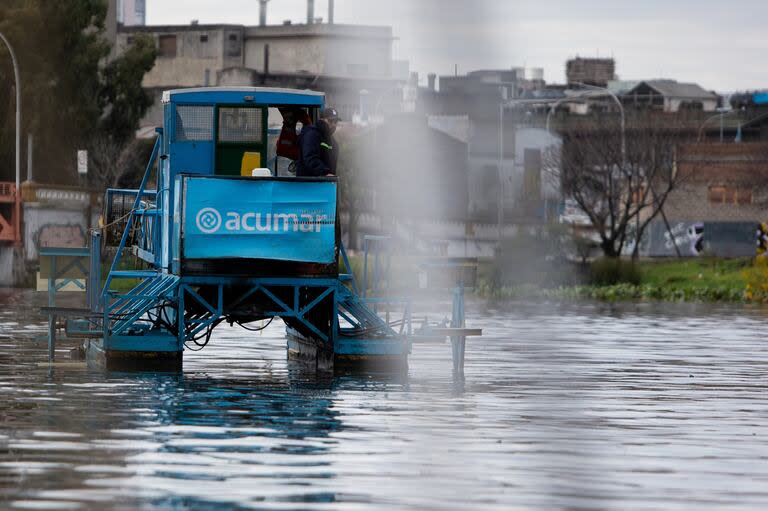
(209, 221)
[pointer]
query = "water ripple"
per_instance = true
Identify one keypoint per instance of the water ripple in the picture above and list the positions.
(649, 406)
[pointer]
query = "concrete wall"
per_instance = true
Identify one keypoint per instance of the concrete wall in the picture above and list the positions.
(236, 76)
(56, 217)
(696, 239)
(53, 216)
(46, 225)
(195, 57)
(287, 55)
(331, 50)
(321, 55)
(11, 266)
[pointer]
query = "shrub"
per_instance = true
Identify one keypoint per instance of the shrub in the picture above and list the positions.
(610, 271)
(757, 281)
(533, 256)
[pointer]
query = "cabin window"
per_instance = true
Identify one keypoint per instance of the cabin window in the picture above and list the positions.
(166, 46)
(194, 123)
(240, 125)
(204, 38)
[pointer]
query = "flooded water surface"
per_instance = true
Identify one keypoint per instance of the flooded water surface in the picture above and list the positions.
(561, 407)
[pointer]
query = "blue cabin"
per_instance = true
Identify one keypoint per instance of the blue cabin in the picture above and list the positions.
(224, 204)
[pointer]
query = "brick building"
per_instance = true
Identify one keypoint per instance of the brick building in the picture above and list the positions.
(595, 71)
(721, 183)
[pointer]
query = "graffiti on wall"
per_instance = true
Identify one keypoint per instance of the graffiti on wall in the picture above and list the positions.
(61, 236)
(762, 239)
(688, 237)
(692, 239)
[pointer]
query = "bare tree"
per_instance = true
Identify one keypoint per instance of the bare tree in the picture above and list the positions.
(621, 187)
(113, 163)
(103, 155)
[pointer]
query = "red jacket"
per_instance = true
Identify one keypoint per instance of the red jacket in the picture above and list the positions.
(288, 141)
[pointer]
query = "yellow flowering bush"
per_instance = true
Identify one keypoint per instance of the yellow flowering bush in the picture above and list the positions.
(757, 281)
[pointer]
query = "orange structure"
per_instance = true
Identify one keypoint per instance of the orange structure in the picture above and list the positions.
(10, 213)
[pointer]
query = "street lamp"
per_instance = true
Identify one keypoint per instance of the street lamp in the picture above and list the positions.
(17, 78)
(623, 116)
(553, 109)
(722, 112)
(500, 205)
(559, 102)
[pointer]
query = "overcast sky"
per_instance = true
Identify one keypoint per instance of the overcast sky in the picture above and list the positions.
(720, 45)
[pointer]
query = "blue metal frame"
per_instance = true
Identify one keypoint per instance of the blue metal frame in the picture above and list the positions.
(264, 285)
(79, 255)
(458, 342)
(133, 214)
(148, 240)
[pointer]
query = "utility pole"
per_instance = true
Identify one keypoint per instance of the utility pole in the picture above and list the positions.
(500, 206)
(16, 75)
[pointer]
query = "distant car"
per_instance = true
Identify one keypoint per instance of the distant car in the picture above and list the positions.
(573, 215)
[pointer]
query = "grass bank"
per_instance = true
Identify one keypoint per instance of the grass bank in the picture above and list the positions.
(701, 279)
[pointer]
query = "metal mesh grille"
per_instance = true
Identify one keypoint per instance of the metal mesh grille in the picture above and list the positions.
(240, 125)
(117, 205)
(194, 123)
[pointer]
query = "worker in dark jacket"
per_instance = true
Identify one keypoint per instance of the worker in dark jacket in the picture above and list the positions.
(319, 151)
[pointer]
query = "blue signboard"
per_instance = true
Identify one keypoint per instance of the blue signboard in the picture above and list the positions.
(760, 98)
(286, 220)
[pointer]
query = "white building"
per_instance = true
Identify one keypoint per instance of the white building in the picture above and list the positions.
(132, 12)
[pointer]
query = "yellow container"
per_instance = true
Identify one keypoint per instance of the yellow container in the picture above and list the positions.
(250, 161)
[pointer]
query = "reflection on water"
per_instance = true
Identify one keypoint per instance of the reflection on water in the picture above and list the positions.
(577, 407)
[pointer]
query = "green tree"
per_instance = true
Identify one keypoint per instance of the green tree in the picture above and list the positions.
(70, 92)
(123, 101)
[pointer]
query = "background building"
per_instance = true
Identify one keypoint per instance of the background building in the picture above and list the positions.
(721, 183)
(132, 12)
(671, 96)
(596, 72)
(352, 64)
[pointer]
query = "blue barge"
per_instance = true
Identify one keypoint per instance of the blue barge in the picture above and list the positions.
(223, 237)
